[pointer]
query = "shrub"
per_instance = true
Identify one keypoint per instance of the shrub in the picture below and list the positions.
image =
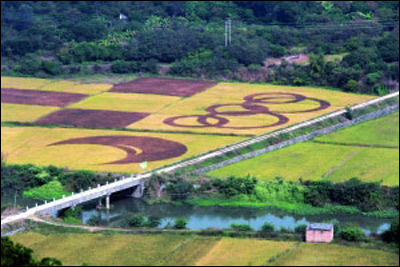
(152, 222)
(352, 234)
(392, 235)
(94, 220)
(300, 229)
(241, 227)
(53, 189)
(136, 221)
(180, 189)
(180, 223)
(268, 228)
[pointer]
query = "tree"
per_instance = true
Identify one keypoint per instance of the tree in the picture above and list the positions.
(18, 255)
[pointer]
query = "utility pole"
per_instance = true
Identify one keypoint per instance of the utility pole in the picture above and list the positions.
(228, 32)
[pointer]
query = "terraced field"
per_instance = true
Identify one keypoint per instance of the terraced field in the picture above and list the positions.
(134, 118)
(165, 250)
(369, 151)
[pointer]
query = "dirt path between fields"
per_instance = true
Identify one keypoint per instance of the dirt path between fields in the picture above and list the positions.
(355, 144)
(334, 168)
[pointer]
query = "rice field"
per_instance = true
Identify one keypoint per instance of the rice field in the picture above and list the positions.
(168, 250)
(197, 115)
(242, 252)
(348, 153)
(24, 145)
(335, 255)
(100, 250)
(126, 102)
(24, 113)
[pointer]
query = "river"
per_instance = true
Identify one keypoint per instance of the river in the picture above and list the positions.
(200, 218)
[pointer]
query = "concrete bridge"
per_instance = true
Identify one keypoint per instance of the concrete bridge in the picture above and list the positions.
(137, 182)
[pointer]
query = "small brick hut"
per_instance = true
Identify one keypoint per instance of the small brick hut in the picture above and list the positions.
(319, 233)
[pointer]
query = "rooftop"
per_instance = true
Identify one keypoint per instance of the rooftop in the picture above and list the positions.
(320, 226)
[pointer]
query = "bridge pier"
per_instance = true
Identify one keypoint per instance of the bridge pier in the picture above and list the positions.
(108, 206)
(138, 190)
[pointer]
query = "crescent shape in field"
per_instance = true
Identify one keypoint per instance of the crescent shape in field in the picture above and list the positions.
(138, 148)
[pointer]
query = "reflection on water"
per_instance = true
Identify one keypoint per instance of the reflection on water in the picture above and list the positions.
(222, 217)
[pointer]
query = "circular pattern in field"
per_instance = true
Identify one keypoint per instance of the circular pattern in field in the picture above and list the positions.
(255, 104)
(138, 148)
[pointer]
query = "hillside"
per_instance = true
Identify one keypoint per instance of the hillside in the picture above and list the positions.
(351, 45)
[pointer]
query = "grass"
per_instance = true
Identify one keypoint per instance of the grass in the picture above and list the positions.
(338, 160)
(24, 113)
(335, 255)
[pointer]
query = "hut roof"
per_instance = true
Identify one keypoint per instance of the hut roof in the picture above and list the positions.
(320, 227)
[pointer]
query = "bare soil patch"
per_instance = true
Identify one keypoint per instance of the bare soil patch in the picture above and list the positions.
(163, 86)
(92, 118)
(39, 98)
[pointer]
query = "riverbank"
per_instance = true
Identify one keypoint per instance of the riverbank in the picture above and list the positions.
(292, 208)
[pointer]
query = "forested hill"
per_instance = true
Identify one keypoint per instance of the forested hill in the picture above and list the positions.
(352, 45)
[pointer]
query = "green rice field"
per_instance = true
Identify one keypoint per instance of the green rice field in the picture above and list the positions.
(369, 151)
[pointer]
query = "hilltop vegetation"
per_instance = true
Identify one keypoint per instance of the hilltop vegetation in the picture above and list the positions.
(352, 45)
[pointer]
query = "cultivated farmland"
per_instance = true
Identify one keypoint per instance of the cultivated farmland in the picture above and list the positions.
(187, 117)
(166, 250)
(334, 255)
(369, 151)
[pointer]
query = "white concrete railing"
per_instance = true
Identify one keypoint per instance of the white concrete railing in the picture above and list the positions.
(123, 184)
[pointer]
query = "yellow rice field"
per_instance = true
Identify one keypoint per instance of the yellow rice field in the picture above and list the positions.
(243, 252)
(30, 145)
(335, 255)
(23, 83)
(54, 85)
(175, 250)
(126, 102)
(233, 93)
(24, 113)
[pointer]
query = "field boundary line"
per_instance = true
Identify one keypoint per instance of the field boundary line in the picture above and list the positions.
(355, 145)
(273, 259)
(340, 164)
(170, 254)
